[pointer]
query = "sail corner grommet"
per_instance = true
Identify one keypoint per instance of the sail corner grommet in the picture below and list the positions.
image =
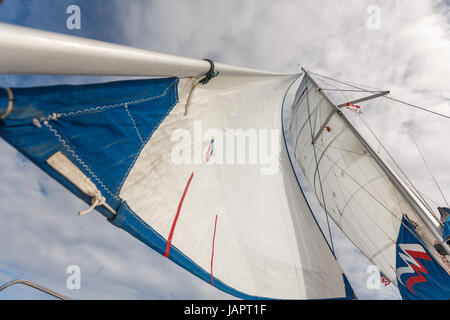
(10, 104)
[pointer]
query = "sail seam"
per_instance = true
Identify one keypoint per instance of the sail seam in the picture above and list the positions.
(76, 157)
(98, 108)
(134, 124)
(315, 110)
(150, 135)
(321, 188)
(298, 104)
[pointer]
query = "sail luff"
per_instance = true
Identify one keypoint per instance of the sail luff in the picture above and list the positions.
(318, 174)
(393, 177)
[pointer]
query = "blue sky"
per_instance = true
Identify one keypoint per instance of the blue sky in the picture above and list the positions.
(41, 232)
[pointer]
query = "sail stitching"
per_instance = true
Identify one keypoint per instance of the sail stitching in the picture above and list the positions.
(134, 124)
(97, 108)
(150, 135)
(367, 243)
(76, 157)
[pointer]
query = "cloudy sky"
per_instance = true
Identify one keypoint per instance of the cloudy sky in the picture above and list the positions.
(408, 54)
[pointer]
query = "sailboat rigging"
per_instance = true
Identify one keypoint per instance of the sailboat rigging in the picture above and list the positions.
(246, 228)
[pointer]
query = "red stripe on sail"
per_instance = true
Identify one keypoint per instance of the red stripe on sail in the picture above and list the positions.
(212, 253)
(174, 223)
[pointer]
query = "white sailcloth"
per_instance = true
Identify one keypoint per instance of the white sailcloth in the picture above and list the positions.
(266, 241)
(245, 222)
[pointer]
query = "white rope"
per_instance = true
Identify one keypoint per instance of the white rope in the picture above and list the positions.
(96, 201)
(188, 103)
(423, 157)
(10, 104)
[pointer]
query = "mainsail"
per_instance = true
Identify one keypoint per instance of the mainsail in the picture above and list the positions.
(151, 156)
(359, 191)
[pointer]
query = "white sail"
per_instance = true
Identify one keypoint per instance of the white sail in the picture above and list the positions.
(240, 223)
(350, 184)
(267, 243)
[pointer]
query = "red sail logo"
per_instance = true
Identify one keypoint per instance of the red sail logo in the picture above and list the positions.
(411, 254)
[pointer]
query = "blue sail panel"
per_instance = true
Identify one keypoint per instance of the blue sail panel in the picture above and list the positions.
(419, 276)
(100, 127)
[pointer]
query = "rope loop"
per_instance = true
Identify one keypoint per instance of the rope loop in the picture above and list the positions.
(97, 200)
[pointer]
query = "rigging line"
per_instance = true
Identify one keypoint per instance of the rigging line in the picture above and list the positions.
(386, 97)
(423, 158)
(298, 103)
(418, 107)
(358, 241)
(348, 83)
(395, 162)
(368, 181)
(320, 181)
(368, 243)
(342, 149)
(430, 246)
(346, 90)
(419, 194)
(315, 110)
(409, 197)
(323, 151)
(429, 198)
(387, 209)
(337, 89)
